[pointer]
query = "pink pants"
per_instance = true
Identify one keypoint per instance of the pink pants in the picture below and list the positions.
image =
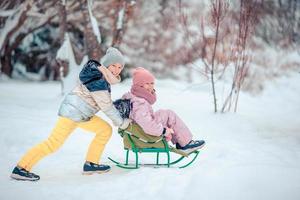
(170, 119)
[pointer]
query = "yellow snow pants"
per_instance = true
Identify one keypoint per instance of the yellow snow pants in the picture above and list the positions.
(63, 128)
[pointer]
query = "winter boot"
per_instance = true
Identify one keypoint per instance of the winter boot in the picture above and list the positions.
(193, 145)
(91, 168)
(22, 174)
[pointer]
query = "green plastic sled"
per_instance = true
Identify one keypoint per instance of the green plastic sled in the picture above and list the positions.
(137, 141)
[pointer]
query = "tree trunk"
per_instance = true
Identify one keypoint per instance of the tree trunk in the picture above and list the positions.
(62, 21)
(123, 14)
(62, 30)
(6, 66)
(5, 50)
(212, 70)
(92, 46)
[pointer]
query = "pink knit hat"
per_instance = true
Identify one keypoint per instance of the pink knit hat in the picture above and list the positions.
(141, 76)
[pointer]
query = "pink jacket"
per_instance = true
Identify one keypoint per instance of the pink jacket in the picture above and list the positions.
(142, 113)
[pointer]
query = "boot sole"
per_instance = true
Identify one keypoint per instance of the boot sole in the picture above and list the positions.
(22, 178)
(188, 151)
(95, 172)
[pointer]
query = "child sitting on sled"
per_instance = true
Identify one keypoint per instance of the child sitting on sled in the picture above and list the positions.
(162, 122)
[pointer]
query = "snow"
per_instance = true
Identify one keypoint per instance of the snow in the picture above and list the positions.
(94, 22)
(70, 81)
(120, 19)
(3, 77)
(66, 53)
(7, 13)
(254, 154)
(20, 72)
(12, 22)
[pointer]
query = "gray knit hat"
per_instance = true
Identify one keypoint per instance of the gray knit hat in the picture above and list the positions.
(112, 56)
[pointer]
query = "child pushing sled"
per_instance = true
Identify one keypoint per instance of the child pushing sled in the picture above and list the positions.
(78, 110)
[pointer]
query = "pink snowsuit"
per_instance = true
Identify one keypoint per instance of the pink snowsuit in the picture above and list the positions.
(153, 123)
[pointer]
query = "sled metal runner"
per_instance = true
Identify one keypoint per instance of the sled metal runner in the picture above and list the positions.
(158, 151)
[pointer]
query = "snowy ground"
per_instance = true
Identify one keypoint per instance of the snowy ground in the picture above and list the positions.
(251, 155)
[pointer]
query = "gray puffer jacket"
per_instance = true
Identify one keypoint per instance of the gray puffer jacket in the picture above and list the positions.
(89, 96)
(76, 109)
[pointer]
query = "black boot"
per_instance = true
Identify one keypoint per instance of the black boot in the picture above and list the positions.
(91, 168)
(22, 174)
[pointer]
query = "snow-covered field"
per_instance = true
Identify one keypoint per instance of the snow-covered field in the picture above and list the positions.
(251, 155)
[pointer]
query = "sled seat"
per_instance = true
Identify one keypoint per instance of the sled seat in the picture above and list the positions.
(137, 141)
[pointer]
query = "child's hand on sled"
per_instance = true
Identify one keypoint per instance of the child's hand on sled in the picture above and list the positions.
(168, 134)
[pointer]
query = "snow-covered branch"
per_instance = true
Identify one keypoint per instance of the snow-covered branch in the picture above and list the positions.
(7, 13)
(94, 22)
(124, 12)
(120, 19)
(13, 23)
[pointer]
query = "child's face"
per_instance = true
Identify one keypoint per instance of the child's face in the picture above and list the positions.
(115, 69)
(149, 87)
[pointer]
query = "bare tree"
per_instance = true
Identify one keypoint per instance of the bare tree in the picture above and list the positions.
(215, 51)
(62, 30)
(14, 29)
(241, 58)
(92, 45)
(210, 47)
(6, 48)
(123, 13)
(280, 25)
(218, 12)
